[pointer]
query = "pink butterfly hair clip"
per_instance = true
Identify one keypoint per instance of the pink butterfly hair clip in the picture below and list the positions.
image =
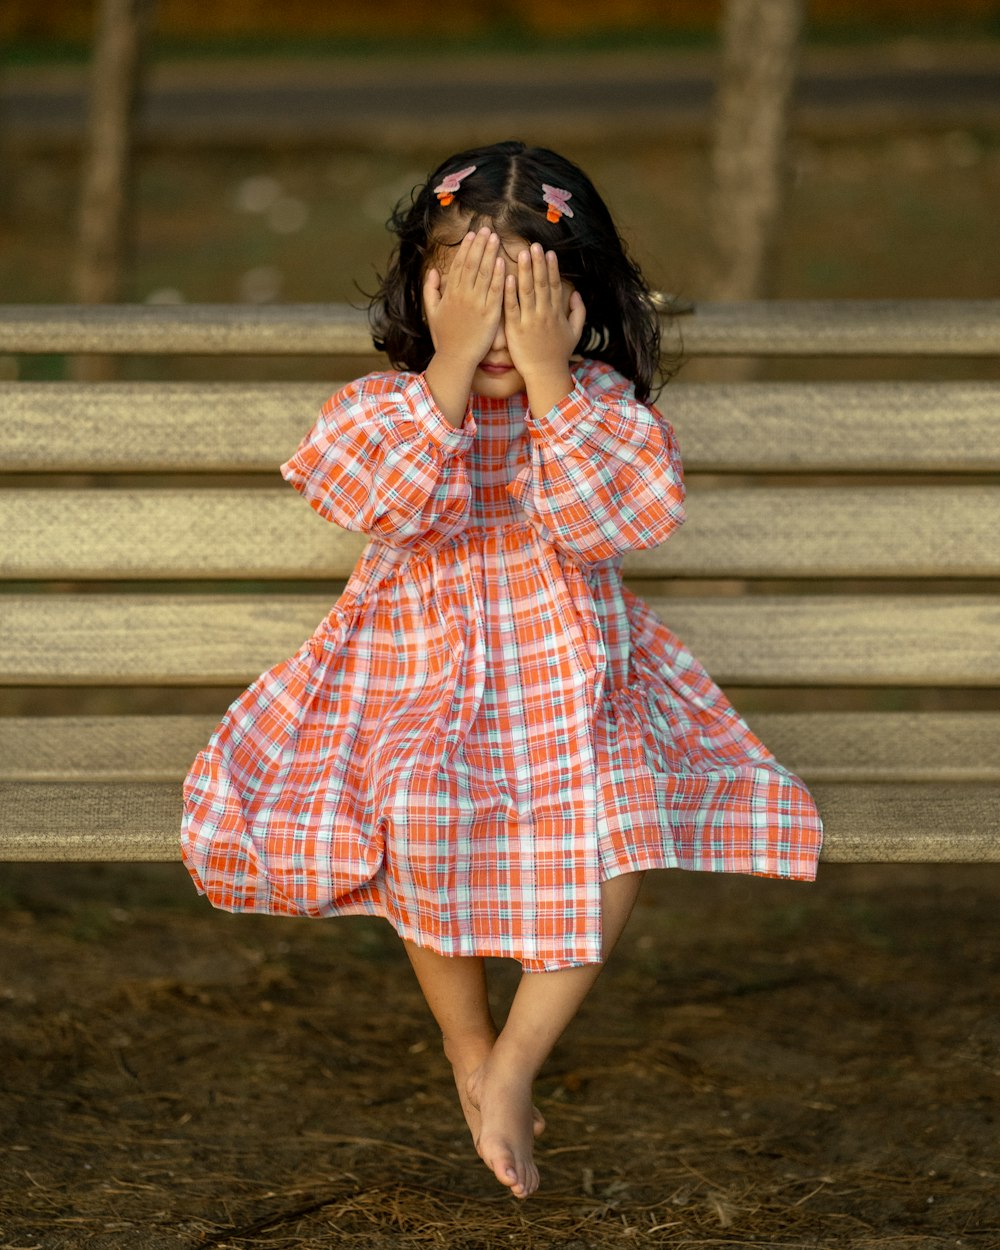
(446, 190)
(556, 199)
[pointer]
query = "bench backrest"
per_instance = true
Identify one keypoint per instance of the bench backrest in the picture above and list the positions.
(802, 496)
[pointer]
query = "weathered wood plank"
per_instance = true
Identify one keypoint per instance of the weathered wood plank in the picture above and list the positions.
(938, 427)
(819, 746)
(765, 328)
(924, 823)
(188, 329)
(854, 640)
(54, 427)
(101, 748)
(856, 531)
(883, 746)
(931, 823)
(824, 427)
(843, 328)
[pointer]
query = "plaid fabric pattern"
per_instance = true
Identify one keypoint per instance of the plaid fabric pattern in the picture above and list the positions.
(487, 723)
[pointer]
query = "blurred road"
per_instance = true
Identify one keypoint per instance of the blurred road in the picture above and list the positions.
(374, 102)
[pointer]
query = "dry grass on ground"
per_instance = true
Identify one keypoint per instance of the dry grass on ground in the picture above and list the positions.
(764, 1064)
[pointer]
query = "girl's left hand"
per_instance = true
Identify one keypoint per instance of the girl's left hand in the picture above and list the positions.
(542, 320)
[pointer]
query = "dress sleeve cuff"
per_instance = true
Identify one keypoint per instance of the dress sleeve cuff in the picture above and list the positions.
(570, 422)
(429, 418)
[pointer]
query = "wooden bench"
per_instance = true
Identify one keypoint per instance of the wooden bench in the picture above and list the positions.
(115, 581)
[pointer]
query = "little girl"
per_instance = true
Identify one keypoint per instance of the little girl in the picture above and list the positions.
(490, 738)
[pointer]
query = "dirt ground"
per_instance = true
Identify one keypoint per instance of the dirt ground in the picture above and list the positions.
(763, 1064)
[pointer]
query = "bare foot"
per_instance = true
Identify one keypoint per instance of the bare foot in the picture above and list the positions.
(466, 1061)
(502, 1096)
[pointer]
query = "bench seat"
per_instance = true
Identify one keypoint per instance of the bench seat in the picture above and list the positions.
(843, 541)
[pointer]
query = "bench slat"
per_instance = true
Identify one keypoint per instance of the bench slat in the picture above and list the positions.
(855, 531)
(819, 746)
(931, 823)
(843, 328)
(757, 328)
(884, 746)
(953, 427)
(854, 640)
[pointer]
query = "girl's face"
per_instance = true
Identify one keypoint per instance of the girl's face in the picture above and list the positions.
(496, 377)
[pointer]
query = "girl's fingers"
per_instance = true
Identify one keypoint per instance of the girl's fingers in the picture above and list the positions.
(497, 279)
(462, 257)
(539, 273)
(525, 285)
(552, 271)
(474, 255)
(488, 260)
(432, 288)
(485, 242)
(474, 270)
(463, 251)
(511, 308)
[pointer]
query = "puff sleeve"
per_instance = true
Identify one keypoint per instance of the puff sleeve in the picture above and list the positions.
(605, 473)
(383, 460)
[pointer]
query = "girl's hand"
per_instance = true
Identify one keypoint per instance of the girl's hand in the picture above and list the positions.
(463, 308)
(542, 322)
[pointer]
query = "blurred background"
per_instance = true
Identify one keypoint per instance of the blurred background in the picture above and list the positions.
(270, 142)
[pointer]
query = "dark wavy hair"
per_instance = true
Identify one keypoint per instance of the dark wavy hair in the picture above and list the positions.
(505, 192)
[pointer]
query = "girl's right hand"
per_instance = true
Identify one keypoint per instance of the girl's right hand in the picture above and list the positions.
(463, 307)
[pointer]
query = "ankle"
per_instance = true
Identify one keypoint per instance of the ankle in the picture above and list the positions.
(468, 1050)
(512, 1061)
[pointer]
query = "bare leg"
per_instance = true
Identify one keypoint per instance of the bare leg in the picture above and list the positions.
(543, 1006)
(456, 992)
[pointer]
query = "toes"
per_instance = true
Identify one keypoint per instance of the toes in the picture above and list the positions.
(537, 1122)
(505, 1170)
(527, 1184)
(522, 1182)
(504, 1166)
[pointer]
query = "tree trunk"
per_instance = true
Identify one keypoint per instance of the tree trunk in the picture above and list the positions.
(760, 45)
(104, 241)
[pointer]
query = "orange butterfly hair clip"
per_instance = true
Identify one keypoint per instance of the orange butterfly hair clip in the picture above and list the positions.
(448, 189)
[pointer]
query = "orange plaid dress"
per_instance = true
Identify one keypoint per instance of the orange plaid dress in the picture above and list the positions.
(487, 724)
